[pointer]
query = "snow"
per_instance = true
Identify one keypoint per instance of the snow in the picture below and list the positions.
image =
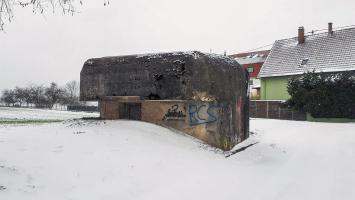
(195, 54)
(223, 58)
(41, 114)
(250, 60)
(160, 54)
(325, 54)
(87, 159)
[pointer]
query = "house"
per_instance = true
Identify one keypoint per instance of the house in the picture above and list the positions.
(203, 95)
(252, 62)
(331, 51)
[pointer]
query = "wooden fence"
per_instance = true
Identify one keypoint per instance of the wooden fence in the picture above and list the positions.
(274, 110)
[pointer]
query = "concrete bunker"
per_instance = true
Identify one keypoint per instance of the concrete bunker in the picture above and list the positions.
(203, 95)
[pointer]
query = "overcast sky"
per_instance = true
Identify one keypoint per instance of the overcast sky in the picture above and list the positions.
(38, 49)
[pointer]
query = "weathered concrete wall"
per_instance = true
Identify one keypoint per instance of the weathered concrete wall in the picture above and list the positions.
(199, 119)
(213, 89)
(163, 76)
(196, 118)
(110, 106)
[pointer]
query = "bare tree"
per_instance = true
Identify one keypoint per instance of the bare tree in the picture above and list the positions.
(42, 96)
(20, 95)
(37, 96)
(72, 92)
(8, 97)
(53, 94)
(38, 6)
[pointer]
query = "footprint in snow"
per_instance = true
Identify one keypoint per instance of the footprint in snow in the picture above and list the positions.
(58, 149)
(79, 132)
(274, 146)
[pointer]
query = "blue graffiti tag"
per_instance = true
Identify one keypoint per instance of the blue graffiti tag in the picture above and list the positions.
(196, 112)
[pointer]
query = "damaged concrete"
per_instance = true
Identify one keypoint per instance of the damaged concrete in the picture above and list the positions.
(201, 94)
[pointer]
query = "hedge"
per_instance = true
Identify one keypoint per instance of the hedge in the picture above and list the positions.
(323, 95)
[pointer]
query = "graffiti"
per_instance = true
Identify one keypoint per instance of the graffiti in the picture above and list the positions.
(202, 114)
(174, 113)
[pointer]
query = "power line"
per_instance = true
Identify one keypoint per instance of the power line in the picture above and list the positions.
(312, 32)
(335, 28)
(260, 47)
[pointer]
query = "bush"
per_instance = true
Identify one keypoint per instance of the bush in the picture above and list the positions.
(323, 95)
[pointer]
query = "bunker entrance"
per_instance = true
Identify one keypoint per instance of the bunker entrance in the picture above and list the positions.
(131, 111)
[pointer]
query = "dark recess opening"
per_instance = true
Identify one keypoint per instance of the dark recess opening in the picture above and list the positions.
(152, 96)
(131, 111)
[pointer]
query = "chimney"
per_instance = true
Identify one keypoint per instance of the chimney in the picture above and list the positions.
(301, 38)
(330, 28)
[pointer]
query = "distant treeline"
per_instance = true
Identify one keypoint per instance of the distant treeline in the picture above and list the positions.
(41, 96)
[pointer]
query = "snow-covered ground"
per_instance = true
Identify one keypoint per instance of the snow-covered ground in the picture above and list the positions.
(40, 114)
(106, 160)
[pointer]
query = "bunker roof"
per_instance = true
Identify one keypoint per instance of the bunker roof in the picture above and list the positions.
(176, 75)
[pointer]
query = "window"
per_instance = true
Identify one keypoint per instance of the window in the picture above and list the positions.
(250, 69)
(304, 62)
(250, 82)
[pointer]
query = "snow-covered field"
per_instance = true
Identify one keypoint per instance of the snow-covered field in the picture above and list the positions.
(106, 160)
(7, 113)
